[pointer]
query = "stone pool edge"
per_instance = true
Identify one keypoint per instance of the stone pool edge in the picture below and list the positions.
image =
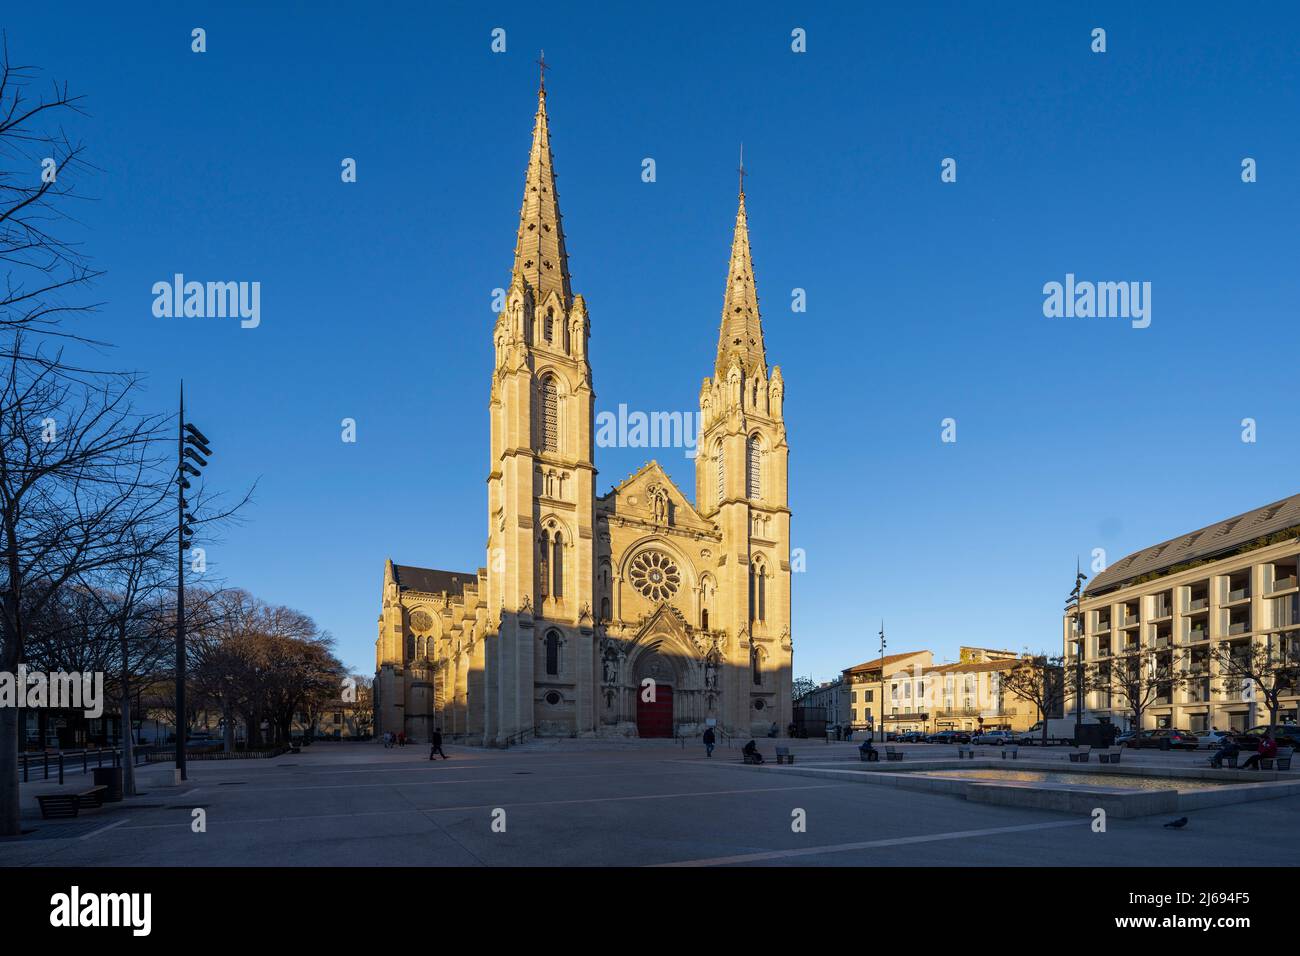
(1047, 796)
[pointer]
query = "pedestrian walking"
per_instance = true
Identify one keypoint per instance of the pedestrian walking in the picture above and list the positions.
(435, 744)
(708, 741)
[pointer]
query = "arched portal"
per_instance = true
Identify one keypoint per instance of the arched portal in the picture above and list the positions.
(655, 679)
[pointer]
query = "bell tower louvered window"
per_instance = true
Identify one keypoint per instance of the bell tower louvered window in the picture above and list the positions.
(721, 470)
(753, 486)
(550, 415)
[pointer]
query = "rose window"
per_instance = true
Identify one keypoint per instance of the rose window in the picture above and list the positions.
(421, 621)
(655, 575)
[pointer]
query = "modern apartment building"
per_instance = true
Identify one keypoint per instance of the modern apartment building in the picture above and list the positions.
(1226, 586)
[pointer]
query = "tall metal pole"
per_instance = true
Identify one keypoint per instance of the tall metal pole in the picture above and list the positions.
(880, 706)
(180, 587)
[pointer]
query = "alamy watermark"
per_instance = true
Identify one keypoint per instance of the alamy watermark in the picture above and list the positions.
(208, 300)
(1102, 300)
(71, 690)
(624, 429)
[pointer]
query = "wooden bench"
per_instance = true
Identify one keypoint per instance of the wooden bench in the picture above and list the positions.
(868, 755)
(965, 750)
(1229, 760)
(1011, 750)
(783, 755)
(1283, 759)
(1111, 755)
(754, 758)
(58, 805)
(893, 753)
(1081, 754)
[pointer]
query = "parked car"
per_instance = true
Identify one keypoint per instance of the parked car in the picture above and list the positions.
(1286, 735)
(950, 737)
(912, 737)
(1166, 738)
(1128, 739)
(998, 737)
(1213, 739)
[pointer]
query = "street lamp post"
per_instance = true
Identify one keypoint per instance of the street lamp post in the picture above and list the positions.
(880, 704)
(1072, 607)
(191, 447)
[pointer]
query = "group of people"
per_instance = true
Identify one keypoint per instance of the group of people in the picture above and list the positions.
(399, 739)
(1229, 747)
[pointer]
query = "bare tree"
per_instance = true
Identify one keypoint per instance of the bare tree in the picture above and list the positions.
(1139, 680)
(39, 170)
(1040, 680)
(1268, 670)
(80, 472)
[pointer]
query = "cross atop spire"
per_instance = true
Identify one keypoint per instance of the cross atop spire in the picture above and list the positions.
(541, 262)
(541, 69)
(741, 332)
(741, 170)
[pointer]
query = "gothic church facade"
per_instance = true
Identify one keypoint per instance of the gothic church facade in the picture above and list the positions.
(638, 613)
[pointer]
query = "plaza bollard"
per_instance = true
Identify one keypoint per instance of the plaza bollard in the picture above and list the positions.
(60, 769)
(47, 765)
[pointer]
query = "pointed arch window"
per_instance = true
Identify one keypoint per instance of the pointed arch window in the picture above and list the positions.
(753, 468)
(557, 565)
(549, 439)
(550, 325)
(757, 592)
(756, 666)
(543, 565)
(552, 653)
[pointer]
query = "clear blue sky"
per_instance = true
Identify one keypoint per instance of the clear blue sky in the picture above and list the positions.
(924, 298)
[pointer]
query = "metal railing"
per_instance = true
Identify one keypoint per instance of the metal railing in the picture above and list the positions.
(520, 736)
(65, 762)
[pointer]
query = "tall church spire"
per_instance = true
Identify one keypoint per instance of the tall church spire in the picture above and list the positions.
(741, 333)
(540, 259)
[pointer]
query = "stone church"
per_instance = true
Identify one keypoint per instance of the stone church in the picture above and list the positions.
(641, 612)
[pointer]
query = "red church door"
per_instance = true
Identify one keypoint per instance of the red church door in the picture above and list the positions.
(655, 718)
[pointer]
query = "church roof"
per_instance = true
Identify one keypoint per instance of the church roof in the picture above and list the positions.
(431, 580)
(740, 334)
(1211, 541)
(541, 261)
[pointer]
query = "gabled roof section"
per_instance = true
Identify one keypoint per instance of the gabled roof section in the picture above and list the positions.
(431, 580)
(1211, 541)
(891, 661)
(617, 499)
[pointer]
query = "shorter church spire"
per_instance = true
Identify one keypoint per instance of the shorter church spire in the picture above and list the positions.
(741, 333)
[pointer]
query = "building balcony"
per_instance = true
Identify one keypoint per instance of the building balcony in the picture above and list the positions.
(1238, 594)
(1198, 604)
(1198, 634)
(1284, 584)
(1239, 627)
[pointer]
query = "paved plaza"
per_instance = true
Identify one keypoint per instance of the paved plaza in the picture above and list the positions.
(638, 803)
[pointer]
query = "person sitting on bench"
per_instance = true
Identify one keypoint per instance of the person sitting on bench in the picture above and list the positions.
(750, 750)
(867, 751)
(1227, 748)
(1267, 751)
